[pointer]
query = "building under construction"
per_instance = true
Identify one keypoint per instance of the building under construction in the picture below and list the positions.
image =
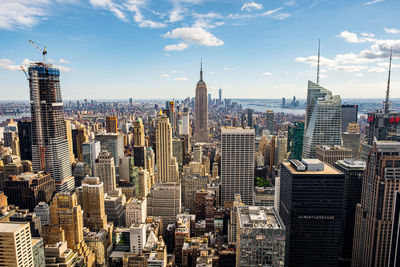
(49, 140)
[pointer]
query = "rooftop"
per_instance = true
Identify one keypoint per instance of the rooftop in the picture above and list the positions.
(11, 227)
(259, 217)
(327, 169)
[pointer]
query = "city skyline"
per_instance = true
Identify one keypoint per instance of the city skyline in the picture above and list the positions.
(254, 45)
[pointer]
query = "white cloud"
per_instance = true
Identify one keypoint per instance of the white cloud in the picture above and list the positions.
(351, 37)
(270, 12)
(282, 16)
(372, 2)
(177, 13)
(64, 68)
(266, 73)
(63, 61)
(181, 79)
(249, 6)
(194, 35)
(366, 34)
(173, 71)
(290, 3)
(376, 69)
(7, 64)
(110, 5)
(21, 13)
(165, 75)
(176, 47)
(392, 30)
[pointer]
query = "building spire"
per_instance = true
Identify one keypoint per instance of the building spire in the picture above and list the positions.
(319, 49)
(201, 69)
(387, 104)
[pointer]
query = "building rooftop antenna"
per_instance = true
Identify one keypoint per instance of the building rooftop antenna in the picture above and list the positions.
(387, 103)
(319, 50)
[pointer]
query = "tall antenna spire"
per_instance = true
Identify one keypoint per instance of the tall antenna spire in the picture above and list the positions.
(201, 69)
(388, 84)
(319, 50)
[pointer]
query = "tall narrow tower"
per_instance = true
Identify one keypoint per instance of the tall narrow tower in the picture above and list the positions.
(50, 151)
(167, 168)
(201, 110)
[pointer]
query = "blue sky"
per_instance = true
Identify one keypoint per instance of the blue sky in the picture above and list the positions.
(152, 49)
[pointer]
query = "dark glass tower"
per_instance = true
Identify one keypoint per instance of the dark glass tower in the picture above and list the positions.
(312, 207)
(50, 151)
(25, 139)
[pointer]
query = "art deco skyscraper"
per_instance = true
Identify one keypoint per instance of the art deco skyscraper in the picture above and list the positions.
(50, 151)
(111, 124)
(94, 216)
(237, 164)
(167, 168)
(138, 133)
(201, 111)
(323, 119)
(374, 215)
(105, 170)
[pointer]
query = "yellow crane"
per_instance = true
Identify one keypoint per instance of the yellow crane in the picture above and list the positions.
(38, 47)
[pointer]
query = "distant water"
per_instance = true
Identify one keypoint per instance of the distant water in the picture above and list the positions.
(15, 116)
(262, 105)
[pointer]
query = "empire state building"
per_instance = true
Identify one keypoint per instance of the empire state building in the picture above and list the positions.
(201, 111)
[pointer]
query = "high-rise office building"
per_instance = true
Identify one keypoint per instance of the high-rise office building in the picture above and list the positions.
(11, 140)
(90, 152)
(67, 222)
(50, 151)
(220, 96)
(113, 143)
(79, 136)
(105, 170)
(185, 124)
(28, 189)
(270, 121)
(250, 122)
(94, 216)
(201, 111)
(353, 171)
(323, 119)
(164, 200)
(111, 124)
(351, 139)
(374, 215)
(237, 164)
(331, 154)
(312, 208)
(349, 115)
(138, 133)
(167, 167)
(295, 140)
(25, 139)
(394, 258)
(260, 237)
(15, 245)
(68, 129)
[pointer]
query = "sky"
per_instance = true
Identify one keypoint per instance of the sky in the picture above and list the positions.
(151, 49)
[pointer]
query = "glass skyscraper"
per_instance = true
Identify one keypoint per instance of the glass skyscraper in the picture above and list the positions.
(50, 151)
(323, 119)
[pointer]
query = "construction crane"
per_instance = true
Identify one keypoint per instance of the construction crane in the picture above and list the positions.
(38, 47)
(26, 74)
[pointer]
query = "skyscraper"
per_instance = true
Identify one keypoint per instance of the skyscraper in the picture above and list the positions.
(250, 122)
(138, 133)
(312, 208)
(270, 121)
(374, 215)
(167, 168)
(113, 143)
(111, 124)
(220, 96)
(90, 152)
(237, 164)
(15, 245)
(67, 221)
(94, 216)
(49, 139)
(349, 115)
(105, 170)
(295, 140)
(25, 139)
(353, 171)
(323, 119)
(79, 136)
(201, 111)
